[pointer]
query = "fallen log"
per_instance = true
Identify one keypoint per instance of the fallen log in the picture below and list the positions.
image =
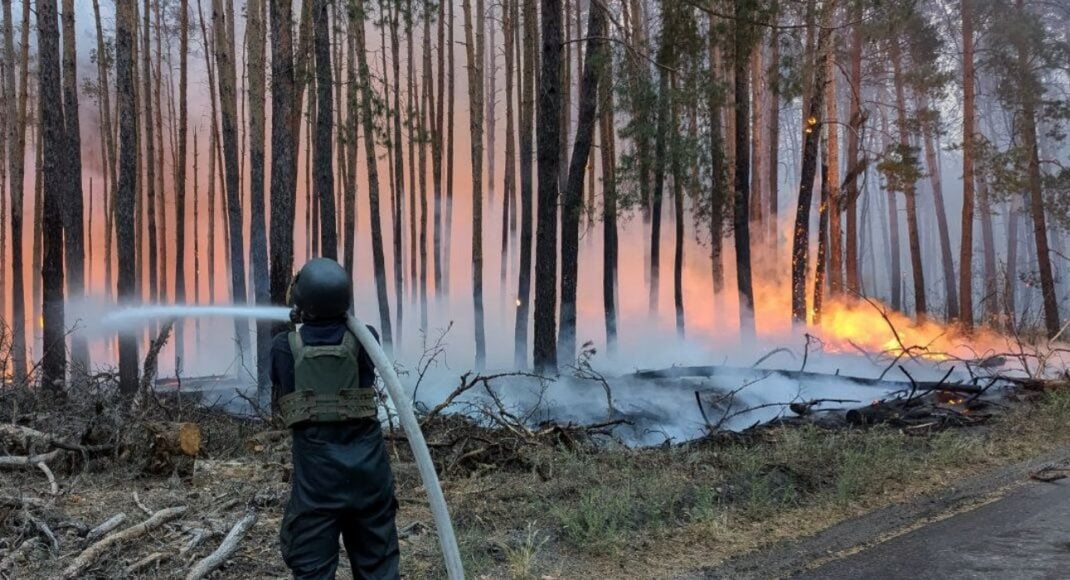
(25, 436)
(225, 549)
(90, 554)
(147, 561)
(802, 376)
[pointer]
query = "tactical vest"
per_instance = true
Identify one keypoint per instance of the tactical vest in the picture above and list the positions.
(326, 384)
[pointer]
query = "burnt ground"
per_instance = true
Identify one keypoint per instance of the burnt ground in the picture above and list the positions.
(538, 502)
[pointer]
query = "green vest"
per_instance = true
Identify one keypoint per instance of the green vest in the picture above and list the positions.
(326, 384)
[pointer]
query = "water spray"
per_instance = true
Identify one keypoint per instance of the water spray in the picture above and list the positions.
(447, 540)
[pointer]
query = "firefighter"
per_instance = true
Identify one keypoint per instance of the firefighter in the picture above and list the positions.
(342, 482)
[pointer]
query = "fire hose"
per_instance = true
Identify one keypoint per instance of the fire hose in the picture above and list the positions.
(447, 540)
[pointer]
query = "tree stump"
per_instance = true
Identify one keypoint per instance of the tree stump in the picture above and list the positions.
(167, 448)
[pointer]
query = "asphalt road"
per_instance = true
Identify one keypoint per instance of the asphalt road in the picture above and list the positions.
(1024, 535)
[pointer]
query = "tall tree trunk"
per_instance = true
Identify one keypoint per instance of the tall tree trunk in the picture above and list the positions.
(285, 129)
(678, 221)
(832, 161)
(125, 24)
(801, 237)
(257, 231)
(821, 265)
(509, 185)
(895, 276)
(224, 57)
(968, 143)
(350, 218)
(54, 175)
(161, 206)
(436, 152)
(475, 47)
(72, 200)
(990, 300)
(718, 171)
(741, 218)
(411, 117)
(851, 193)
(607, 134)
(658, 190)
(910, 190)
(451, 68)
(1010, 281)
(774, 134)
(572, 198)
(108, 140)
(527, 112)
(323, 180)
(1031, 90)
(425, 132)
(490, 78)
(149, 181)
(399, 179)
(947, 262)
(180, 175)
(548, 136)
(15, 111)
(375, 216)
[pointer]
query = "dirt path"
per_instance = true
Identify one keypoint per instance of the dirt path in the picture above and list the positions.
(999, 524)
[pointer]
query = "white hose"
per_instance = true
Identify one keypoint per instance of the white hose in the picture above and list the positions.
(446, 538)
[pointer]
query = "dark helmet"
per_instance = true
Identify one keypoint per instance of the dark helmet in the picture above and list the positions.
(321, 290)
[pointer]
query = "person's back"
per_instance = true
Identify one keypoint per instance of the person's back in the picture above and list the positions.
(342, 483)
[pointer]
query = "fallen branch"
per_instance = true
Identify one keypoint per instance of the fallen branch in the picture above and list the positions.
(53, 487)
(90, 554)
(24, 435)
(10, 501)
(105, 527)
(225, 549)
(147, 561)
(28, 460)
(44, 529)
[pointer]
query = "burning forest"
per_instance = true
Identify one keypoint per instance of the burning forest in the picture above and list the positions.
(585, 233)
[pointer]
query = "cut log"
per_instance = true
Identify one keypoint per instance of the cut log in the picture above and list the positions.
(90, 554)
(225, 549)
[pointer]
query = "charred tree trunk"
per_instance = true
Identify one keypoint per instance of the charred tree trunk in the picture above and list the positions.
(527, 112)
(323, 172)
(741, 218)
(831, 179)
(801, 237)
(54, 174)
(548, 135)
(774, 134)
(607, 134)
(852, 192)
(399, 180)
(285, 127)
(149, 181)
(125, 24)
(509, 185)
(73, 214)
(718, 171)
(572, 202)
(257, 231)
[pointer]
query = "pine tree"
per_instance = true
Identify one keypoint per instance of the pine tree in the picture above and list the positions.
(548, 155)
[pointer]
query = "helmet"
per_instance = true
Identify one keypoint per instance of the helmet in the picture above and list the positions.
(321, 290)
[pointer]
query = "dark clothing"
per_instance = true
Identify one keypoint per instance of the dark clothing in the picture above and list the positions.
(342, 483)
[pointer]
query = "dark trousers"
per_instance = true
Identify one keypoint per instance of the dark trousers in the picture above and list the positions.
(342, 486)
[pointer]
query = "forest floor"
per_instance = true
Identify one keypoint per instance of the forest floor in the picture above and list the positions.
(533, 504)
